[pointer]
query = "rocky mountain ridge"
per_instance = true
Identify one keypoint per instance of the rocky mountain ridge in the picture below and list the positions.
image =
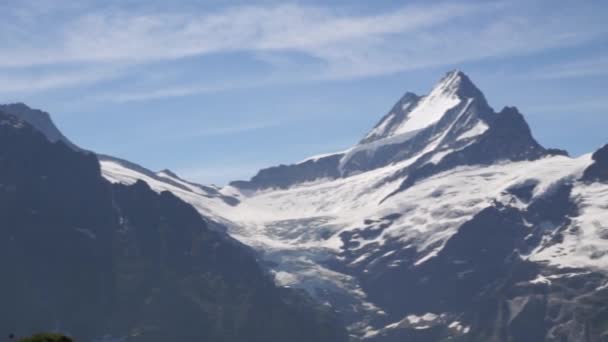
(448, 221)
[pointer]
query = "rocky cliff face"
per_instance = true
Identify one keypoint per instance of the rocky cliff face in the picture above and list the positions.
(598, 171)
(84, 256)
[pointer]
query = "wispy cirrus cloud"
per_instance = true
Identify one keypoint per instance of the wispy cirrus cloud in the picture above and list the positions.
(232, 129)
(342, 45)
(595, 66)
(34, 81)
(120, 35)
(579, 106)
(179, 90)
(177, 131)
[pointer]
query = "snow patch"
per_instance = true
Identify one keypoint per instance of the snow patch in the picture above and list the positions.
(478, 129)
(540, 279)
(585, 243)
(432, 107)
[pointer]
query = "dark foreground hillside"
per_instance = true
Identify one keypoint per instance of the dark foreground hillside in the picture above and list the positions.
(82, 256)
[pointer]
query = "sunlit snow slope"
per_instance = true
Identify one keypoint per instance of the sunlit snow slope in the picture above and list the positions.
(336, 223)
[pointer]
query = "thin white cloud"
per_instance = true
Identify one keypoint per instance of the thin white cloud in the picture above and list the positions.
(179, 90)
(586, 67)
(343, 45)
(576, 107)
(164, 92)
(176, 131)
(29, 82)
(121, 35)
(234, 128)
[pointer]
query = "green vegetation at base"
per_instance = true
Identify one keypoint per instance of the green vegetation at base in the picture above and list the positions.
(47, 338)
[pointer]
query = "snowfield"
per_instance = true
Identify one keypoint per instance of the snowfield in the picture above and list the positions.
(298, 229)
(365, 217)
(585, 243)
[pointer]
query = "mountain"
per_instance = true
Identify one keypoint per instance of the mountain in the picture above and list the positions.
(447, 221)
(40, 120)
(452, 125)
(105, 261)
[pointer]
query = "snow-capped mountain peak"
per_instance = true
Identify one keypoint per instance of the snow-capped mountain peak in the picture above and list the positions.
(413, 113)
(456, 83)
(451, 126)
(423, 129)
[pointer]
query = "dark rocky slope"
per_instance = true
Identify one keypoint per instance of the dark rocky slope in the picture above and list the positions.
(598, 171)
(82, 256)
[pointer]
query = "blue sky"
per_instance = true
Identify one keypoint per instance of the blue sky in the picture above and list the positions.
(218, 89)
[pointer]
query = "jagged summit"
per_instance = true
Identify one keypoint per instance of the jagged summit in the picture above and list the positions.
(453, 122)
(452, 84)
(452, 116)
(457, 82)
(413, 113)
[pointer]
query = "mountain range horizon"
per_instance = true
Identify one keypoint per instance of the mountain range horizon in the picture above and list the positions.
(43, 121)
(303, 171)
(446, 221)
